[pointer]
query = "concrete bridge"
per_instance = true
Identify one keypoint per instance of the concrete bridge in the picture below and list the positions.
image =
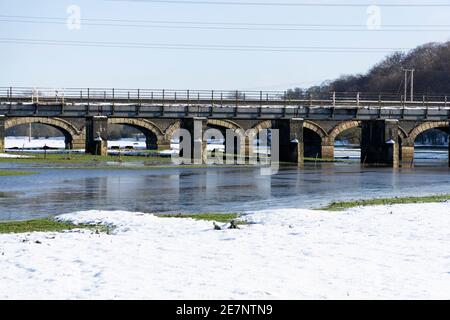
(390, 125)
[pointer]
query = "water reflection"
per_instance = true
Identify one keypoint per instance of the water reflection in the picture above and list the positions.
(236, 189)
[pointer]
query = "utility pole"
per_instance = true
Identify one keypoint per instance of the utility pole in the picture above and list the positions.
(405, 83)
(411, 84)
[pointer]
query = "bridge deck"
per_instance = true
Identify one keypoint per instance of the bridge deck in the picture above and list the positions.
(216, 104)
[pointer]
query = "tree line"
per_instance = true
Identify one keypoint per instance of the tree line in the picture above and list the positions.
(430, 61)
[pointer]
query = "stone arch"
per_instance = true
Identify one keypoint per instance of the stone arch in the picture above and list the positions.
(407, 140)
(329, 140)
(263, 125)
(267, 124)
(424, 127)
(154, 135)
(341, 127)
(313, 139)
(316, 128)
(402, 134)
(73, 136)
(224, 124)
(239, 139)
(168, 134)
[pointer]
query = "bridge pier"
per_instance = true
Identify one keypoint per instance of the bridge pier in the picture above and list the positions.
(2, 132)
(379, 145)
(78, 142)
(291, 139)
(196, 127)
(162, 142)
(151, 142)
(164, 145)
(155, 142)
(236, 146)
(97, 135)
(327, 148)
(407, 156)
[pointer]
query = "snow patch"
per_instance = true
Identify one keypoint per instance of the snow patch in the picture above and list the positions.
(382, 252)
(12, 156)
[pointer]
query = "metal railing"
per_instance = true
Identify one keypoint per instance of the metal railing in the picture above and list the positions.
(169, 97)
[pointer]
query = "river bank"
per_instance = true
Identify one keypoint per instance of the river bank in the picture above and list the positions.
(375, 252)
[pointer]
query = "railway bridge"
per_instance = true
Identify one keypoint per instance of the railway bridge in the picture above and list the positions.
(308, 127)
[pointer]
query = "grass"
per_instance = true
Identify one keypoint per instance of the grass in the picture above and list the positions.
(45, 225)
(79, 158)
(87, 161)
(52, 225)
(4, 173)
(217, 217)
(323, 160)
(339, 206)
(309, 159)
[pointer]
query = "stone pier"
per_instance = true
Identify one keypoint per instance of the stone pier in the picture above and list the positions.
(379, 145)
(291, 140)
(97, 135)
(407, 156)
(196, 127)
(236, 146)
(2, 132)
(327, 149)
(151, 142)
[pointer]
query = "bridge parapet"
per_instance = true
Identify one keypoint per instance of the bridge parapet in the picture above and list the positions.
(217, 104)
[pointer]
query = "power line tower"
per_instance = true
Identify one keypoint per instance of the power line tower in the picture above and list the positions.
(411, 78)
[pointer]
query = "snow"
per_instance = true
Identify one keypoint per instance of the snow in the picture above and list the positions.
(34, 143)
(347, 153)
(12, 156)
(384, 252)
(125, 143)
(59, 143)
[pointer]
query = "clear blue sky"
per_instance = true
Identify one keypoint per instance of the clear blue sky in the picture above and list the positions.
(76, 66)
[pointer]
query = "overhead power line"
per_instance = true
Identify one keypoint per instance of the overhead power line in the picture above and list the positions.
(213, 47)
(220, 22)
(212, 27)
(164, 24)
(291, 4)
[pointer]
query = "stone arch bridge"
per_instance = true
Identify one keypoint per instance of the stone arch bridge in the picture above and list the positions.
(307, 128)
(316, 136)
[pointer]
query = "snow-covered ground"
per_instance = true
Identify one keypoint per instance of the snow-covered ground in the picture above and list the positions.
(34, 143)
(127, 143)
(12, 156)
(389, 252)
(347, 153)
(342, 151)
(59, 143)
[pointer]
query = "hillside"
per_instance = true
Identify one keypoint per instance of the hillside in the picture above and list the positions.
(432, 77)
(432, 74)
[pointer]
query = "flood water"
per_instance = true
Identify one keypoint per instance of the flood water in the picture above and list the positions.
(186, 190)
